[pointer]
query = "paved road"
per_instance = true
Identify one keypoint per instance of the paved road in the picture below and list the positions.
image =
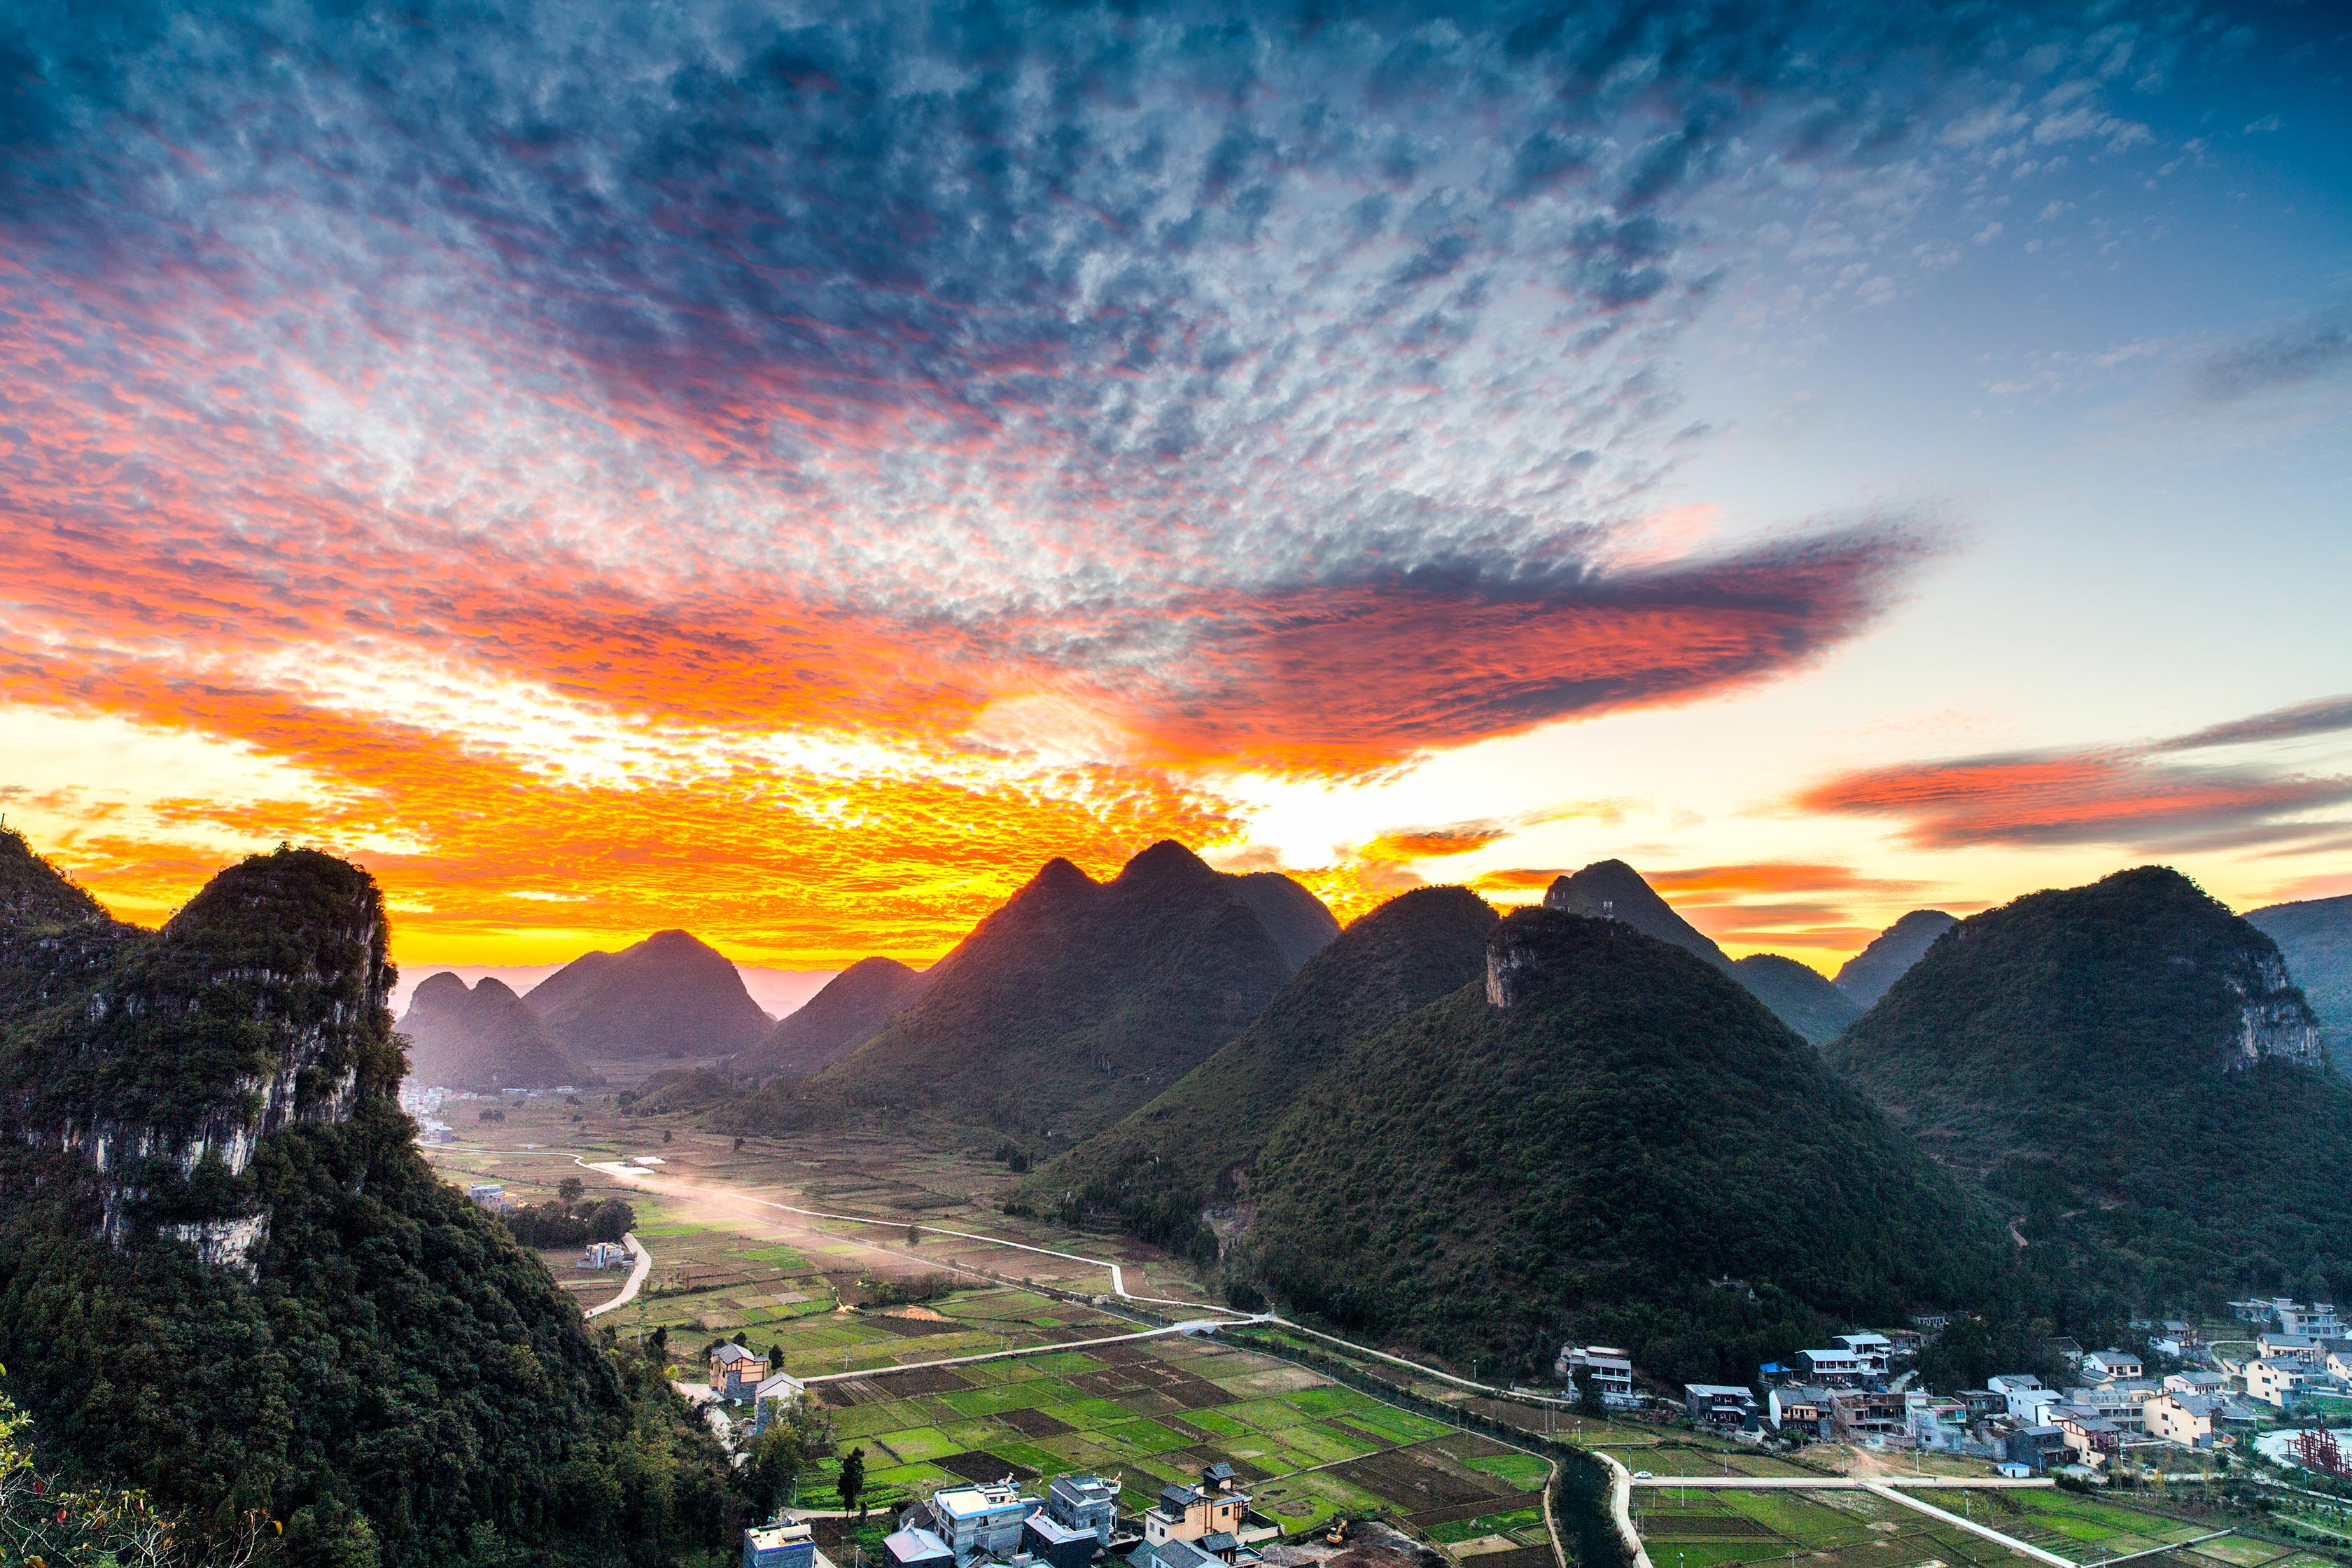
(637, 1272)
(2025, 1548)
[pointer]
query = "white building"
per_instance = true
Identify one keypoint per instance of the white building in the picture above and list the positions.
(1832, 1364)
(2024, 1395)
(1874, 1351)
(2108, 1365)
(1607, 1367)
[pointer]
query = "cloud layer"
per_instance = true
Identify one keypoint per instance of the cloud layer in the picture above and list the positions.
(712, 412)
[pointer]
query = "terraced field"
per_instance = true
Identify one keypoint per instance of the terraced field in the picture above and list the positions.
(1153, 1412)
(1693, 1529)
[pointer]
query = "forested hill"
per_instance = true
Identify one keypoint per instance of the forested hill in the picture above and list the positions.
(1868, 974)
(667, 998)
(307, 1323)
(1604, 1136)
(851, 1010)
(1065, 1009)
(2126, 1070)
(1197, 1142)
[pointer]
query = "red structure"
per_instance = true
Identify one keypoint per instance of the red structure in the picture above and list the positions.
(2316, 1449)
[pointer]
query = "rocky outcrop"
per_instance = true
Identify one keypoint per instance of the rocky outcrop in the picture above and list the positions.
(2273, 1020)
(259, 1006)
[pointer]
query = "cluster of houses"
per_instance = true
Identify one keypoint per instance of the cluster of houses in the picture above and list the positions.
(1842, 1393)
(1208, 1524)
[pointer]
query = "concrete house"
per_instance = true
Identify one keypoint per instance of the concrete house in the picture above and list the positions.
(2273, 1345)
(792, 1546)
(980, 1521)
(2207, 1382)
(2094, 1439)
(2023, 1395)
(1085, 1502)
(2108, 1365)
(2039, 1448)
(1792, 1407)
(2190, 1420)
(915, 1547)
(2276, 1382)
(1935, 1424)
(1719, 1404)
(1833, 1365)
(736, 1372)
(1050, 1542)
(1215, 1507)
(1609, 1368)
(1871, 1351)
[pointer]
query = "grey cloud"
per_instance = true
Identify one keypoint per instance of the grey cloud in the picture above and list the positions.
(2293, 355)
(2325, 716)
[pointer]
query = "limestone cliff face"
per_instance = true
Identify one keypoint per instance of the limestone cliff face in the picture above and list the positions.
(167, 1065)
(2274, 1019)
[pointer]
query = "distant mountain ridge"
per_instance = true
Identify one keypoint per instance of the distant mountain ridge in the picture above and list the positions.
(1868, 974)
(482, 1037)
(851, 1010)
(2009, 1046)
(1798, 995)
(2316, 936)
(667, 997)
(1067, 1006)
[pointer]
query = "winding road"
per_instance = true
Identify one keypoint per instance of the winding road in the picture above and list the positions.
(637, 1272)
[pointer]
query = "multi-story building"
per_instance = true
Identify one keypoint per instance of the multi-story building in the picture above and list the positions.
(2191, 1420)
(2274, 1345)
(2109, 1366)
(1606, 1366)
(2276, 1382)
(2040, 1446)
(1085, 1502)
(980, 1521)
(792, 1546)
(1833, 1365)
(736, 1372)
(1871, 1352)
(2024, 1394)
(1792, 1407)
(1939, 1425)
(1719, 1404)
(1215, 1507)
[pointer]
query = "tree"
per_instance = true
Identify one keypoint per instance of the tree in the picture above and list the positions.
(665, 1135)
(852, 1485)
(1588, 1393)
(569, 1190)
(914, 1235)
(794, 1433)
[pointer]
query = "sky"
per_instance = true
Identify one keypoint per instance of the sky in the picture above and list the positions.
(787, 473)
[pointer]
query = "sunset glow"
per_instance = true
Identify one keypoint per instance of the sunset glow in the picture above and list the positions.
(790, 481)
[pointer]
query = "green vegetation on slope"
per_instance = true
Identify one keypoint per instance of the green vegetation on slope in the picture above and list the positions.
(1799, 997)
(1868, 974)
(851, 1010)
(1065, 1009)
(306, 1322)
(1198, 1141)
(2317, 938)
(482, 1037)
(668, 996)
(2084, 1054)
(1625, 1150)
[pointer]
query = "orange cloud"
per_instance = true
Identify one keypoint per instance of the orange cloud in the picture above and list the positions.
(2083, 797)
